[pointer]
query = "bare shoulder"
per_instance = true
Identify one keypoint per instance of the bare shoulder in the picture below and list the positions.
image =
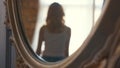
(67, 28)
(68, 31)
(43, 28)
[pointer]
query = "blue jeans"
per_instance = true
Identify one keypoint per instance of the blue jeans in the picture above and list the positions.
(52, 59)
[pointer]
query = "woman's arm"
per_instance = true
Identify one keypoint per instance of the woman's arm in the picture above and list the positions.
(41, 38)
(67, 43)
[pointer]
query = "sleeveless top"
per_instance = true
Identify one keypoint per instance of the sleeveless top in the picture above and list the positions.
(55, 43)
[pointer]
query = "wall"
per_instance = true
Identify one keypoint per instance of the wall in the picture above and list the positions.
(2, 35)
(7, 51)
(29, 12)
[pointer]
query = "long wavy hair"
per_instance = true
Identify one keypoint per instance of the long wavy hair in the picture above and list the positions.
(54, 20)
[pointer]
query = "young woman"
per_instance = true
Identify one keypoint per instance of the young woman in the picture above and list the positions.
(55, 34)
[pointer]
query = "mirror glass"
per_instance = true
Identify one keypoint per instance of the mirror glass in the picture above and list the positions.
(80, 17)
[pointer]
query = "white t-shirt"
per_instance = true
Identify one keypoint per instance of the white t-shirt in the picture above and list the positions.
(55, 43)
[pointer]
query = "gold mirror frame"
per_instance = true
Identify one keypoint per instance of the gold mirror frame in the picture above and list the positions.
(84, 55)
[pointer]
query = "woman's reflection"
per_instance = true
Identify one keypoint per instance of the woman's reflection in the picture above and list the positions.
(55, 34)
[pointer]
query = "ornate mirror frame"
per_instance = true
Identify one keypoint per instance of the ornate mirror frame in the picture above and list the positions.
(85, 55)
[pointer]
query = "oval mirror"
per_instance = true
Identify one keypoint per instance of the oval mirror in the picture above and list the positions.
(80, 17)
(91, 47)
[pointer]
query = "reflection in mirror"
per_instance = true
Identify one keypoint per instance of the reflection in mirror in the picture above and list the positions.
(80, 16)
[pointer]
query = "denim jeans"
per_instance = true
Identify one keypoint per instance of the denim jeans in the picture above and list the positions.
(52, 59)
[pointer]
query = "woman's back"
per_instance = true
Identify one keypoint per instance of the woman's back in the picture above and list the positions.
(55, 43)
